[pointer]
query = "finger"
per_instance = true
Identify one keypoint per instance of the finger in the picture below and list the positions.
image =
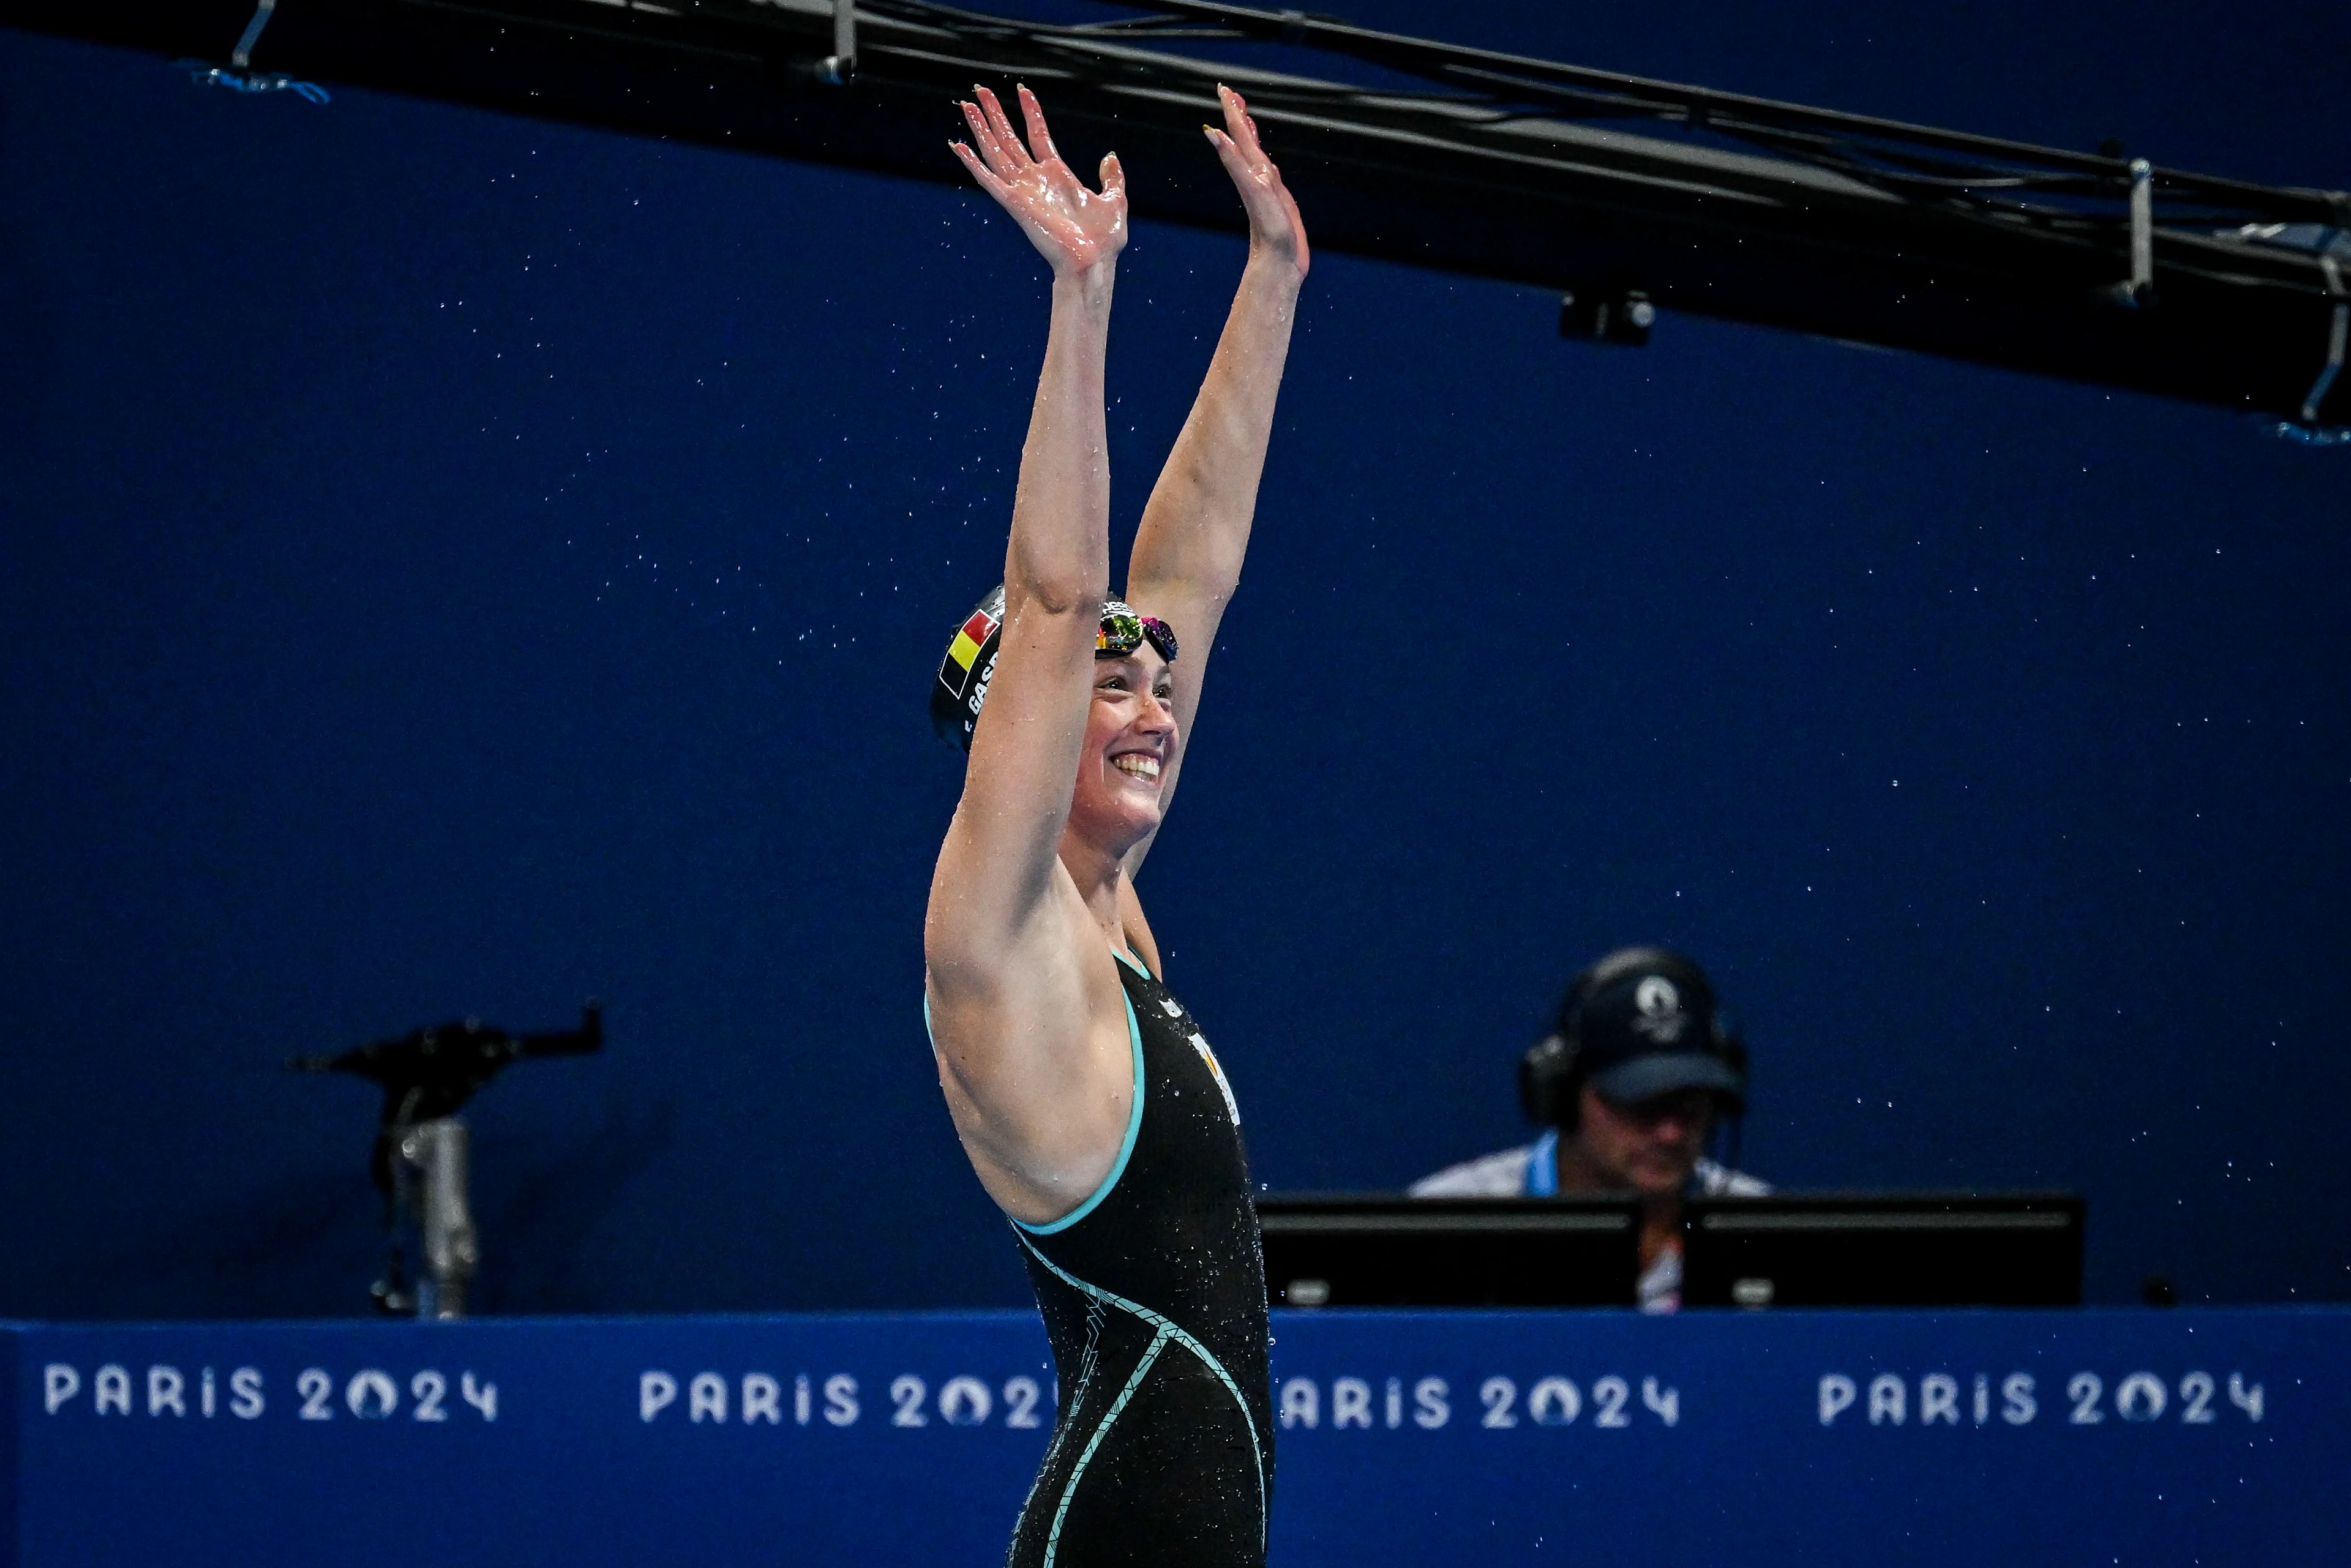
(1006, 156)
(1252, 174)
(1236, 162)
(1237, 119)
(990, 147)
(1113, 177)
(1040, 141)
(1003, 129)
(986, 178)
(979, 171)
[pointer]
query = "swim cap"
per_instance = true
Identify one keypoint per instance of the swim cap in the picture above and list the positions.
(965, 673)
(970, 662)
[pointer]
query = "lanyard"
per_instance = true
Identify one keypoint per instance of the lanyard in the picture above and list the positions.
(1542, 1166)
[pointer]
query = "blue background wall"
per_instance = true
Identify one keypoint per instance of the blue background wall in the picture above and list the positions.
(456, 565)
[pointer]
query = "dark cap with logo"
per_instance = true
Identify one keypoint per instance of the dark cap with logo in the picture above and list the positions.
(1641, 1022)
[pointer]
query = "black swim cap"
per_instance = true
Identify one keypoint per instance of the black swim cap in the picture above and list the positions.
(970, 662)
(964, 673)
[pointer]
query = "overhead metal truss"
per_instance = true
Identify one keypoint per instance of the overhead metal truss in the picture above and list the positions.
(1624, 195)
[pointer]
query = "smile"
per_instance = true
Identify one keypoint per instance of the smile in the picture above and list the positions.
(1141, 764)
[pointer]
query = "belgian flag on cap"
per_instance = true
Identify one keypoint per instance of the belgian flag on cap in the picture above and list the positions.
(964, 673)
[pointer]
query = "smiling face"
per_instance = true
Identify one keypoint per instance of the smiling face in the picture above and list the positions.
(1129, 751)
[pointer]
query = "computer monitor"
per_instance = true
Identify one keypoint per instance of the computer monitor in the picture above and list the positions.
(1884, 1250)
(1362, 1250)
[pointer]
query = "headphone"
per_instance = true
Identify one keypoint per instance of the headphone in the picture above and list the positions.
(1551, 1077)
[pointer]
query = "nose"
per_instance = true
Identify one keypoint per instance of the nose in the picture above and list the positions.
(1157, 716)
(1679, 1120)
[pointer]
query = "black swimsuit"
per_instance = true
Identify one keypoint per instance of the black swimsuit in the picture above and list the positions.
(1153, 1297)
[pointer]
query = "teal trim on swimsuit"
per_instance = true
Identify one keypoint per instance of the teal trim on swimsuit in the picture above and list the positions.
(1168, 1329)
(1134, 1113)
(1132, 962)
(1060, 1430)
(1102, 1430)
(1125, 1149)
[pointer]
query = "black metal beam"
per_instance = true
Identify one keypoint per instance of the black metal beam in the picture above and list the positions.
(1895, 249)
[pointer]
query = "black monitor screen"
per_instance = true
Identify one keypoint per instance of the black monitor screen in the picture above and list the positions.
(1390, 1251)
(1884, 1250)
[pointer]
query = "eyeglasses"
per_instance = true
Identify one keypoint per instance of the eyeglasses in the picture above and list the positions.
(1123, 632)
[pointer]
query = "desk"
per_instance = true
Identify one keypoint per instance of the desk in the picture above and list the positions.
(2076, 1438)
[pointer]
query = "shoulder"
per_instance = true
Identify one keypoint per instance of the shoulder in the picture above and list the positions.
(1720, 1181)
(1498, 1175)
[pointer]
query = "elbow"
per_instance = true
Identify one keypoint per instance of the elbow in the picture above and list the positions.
(1056, 577)
(1077, 593)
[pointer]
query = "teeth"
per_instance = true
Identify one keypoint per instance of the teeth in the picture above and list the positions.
(1136, 763)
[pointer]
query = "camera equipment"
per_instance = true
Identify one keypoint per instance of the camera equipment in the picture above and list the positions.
(419, 1160)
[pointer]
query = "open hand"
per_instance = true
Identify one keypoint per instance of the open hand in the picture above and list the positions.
(1073, 228)
(1274, 222)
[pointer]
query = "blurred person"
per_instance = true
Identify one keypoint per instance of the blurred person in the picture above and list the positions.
(1639, 1073)
(1089, 1101)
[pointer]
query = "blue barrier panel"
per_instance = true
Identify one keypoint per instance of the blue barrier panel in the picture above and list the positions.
(1519, 1437)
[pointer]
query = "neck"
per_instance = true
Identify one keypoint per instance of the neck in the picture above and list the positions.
(1661, 1225)
(1661, 1212)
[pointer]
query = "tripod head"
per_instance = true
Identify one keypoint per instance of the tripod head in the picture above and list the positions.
(431, 1072)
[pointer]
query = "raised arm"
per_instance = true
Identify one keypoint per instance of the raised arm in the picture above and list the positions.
(999, 856)
(1196, 527)
(1022, 1021)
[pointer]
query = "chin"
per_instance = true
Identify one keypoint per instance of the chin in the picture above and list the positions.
(1137, 821)
(1119, 818)
(1662, 1184)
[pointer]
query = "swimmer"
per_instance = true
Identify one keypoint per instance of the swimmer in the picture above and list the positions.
(1090, 1102)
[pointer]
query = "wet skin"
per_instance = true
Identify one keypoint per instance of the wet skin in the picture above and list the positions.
(1129, 753)
(1074, 759)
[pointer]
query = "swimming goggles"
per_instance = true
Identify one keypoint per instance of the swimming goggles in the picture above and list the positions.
(1123, 632)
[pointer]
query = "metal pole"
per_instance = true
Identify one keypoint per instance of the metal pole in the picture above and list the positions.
(2142, 222)
(2339, 338)
(2139, 288)
(839, 67)
(438, 1149)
